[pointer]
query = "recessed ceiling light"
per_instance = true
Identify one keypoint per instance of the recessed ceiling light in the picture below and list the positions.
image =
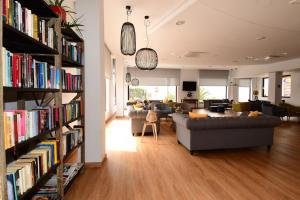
(261, 38)
(172, 54)
(180, 22)
(284, 53)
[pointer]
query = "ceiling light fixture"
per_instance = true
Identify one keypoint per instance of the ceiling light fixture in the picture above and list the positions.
(180, 22)
(128, 37)
(146, 58)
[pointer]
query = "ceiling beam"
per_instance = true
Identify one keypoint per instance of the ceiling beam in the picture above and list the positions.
(171, 14)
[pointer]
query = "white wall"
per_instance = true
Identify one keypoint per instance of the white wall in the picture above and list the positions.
(291, 67)
(120, 78)
(187, 75)
(93, 21)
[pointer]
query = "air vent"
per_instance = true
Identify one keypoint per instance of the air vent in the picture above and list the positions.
(193, 54)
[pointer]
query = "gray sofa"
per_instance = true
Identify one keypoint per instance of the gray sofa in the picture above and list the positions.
(224, 132)
(137, 118)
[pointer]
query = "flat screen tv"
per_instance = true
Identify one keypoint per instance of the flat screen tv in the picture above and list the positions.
(189, 86)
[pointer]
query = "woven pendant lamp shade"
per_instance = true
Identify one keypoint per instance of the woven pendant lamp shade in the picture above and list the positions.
(135, 82)
(146, 59)
(128, 37)
(128, 77)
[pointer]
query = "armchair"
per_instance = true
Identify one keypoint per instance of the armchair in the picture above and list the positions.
(270, 109)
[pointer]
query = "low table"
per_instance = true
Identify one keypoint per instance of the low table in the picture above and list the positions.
(218, 109)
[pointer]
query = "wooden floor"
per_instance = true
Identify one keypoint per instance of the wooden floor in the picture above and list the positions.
(138, 171)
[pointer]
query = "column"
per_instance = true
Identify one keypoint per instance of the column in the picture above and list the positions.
(93, 31)
(275, 91)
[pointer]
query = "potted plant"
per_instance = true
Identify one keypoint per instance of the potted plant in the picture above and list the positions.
(57, 7)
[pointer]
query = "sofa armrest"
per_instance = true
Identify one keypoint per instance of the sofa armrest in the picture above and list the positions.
(138, 114)
(180, 119)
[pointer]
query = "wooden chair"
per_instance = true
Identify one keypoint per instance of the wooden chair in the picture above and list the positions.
(151, 120)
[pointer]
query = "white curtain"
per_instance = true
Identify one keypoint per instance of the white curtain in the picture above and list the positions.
(213, 77)
(157, 77)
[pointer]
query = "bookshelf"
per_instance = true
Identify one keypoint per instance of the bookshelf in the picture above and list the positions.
(17, 41)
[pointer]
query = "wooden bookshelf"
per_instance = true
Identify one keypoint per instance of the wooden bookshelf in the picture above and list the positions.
(16, 41)
(20, 42)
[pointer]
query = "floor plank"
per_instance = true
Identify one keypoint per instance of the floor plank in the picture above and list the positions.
(166, 170)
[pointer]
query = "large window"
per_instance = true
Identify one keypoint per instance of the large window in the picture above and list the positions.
(152, 92)
(244, 94)
(212, 92)
(265, 87)
(286, 86)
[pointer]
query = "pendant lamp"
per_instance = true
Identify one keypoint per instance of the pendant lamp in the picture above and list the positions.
(128, 38)
(135, 81)
(146, 58)
(128, 77)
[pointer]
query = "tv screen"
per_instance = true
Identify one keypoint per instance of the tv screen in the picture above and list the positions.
(189, 86)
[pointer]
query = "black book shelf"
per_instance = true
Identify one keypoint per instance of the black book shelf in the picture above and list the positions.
(19, 42)
(71, 35)
(68, 155)
(39, 7)
(71, 121)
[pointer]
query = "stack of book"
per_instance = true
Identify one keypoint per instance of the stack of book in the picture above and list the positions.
(25, 172)
(71, 51)
(71, 82)
(20, 125)
(71, 139)
(48, 191)
(71, 111)
(21, 70)
(27, 22)
(70, 171)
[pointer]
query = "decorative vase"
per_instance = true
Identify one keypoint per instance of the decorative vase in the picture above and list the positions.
(60, 11)
(189, 94)
(151, 116)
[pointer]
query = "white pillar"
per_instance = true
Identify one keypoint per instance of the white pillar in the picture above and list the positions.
(93, 21)
(275, 91)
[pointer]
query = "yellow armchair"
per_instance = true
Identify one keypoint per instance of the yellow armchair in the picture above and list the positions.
(241, 107)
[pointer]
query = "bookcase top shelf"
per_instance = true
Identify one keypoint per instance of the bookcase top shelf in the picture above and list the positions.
(19, 42)
(72, 91)
(39, 7)
(71, 35)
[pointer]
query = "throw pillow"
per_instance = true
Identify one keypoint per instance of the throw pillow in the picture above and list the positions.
(254, 114)
(197, 115)
(137, 107)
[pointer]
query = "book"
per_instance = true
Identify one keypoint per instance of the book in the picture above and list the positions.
(71, 82)
(71, 50)
(71, 111)
(24, 20)
(22, 71)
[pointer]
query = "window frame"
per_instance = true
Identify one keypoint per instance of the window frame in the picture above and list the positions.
(226, 89)
(285, 97)
(263, 87)
(176, 92)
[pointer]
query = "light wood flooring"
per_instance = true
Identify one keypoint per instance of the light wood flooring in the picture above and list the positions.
(165, 170)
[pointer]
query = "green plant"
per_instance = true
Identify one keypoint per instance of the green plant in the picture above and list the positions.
(75, 21)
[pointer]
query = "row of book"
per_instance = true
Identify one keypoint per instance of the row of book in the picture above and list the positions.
(72, 51)
(71, 139)
(71, 111)
(71, 82)
(21, 70)
(25, 172)
(27, 22)
(21, 125)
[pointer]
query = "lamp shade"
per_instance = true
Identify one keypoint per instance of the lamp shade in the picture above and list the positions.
(128, 77)
(135, 82)
(128, 39)
(146, 59)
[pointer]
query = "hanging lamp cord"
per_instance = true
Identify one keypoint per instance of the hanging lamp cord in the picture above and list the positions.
(147, 24)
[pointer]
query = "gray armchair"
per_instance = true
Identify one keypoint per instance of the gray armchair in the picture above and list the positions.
(163, 110)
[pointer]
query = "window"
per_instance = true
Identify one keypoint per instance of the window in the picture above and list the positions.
(212, 92)
(265, 87)
(244, 94)
(107, 85)
(152, 92)
(113, 77)
(286, 86)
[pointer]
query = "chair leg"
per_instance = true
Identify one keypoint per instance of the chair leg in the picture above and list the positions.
(153, 131)
(144, 129)
(156, 138)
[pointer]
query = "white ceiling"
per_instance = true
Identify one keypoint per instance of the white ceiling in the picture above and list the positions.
(226, 30)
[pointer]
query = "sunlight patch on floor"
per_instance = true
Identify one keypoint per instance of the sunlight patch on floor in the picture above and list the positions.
(119, 137)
